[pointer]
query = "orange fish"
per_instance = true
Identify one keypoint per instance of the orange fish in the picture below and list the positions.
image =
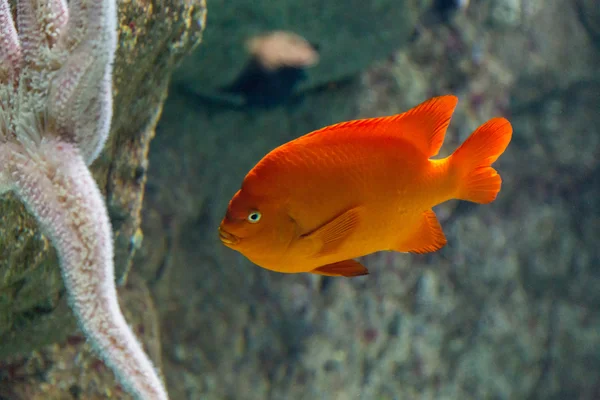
(358, 187)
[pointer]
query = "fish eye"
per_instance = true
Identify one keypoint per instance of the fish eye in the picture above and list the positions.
(254, 217)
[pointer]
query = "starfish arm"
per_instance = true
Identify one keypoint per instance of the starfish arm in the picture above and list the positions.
(59, 16)
(56, 186)
(93, 24)
(81, 93)
(40, 24)
(10, 50)
(30, 33)
(80, 103)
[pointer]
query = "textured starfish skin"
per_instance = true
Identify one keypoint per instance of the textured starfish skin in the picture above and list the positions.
(55, 112)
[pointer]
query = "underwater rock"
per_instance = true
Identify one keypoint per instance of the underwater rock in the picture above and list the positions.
(589, 16)
(153, 38)
(513, 13)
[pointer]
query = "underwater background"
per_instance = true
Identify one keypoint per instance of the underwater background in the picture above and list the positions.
(508, 309)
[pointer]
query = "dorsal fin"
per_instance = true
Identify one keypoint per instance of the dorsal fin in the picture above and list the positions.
(424, 125)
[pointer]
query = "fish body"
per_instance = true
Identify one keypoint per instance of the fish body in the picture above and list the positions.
(359, 187)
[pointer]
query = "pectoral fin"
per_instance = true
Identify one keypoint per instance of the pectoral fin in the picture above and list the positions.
(347, 268)
(331, 235)
(427, 237)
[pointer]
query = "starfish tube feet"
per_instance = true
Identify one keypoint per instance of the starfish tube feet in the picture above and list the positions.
(10, 50)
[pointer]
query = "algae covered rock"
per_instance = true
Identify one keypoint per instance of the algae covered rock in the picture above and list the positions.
(153, 37)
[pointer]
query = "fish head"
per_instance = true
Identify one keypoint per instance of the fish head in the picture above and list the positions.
(256, 226)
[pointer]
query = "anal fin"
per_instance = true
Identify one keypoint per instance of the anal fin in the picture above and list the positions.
(347, 268)
(427, 237)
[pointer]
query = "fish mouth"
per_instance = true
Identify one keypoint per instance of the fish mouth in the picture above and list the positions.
(228, 238)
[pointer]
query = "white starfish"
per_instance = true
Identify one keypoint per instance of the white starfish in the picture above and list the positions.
(55, 112)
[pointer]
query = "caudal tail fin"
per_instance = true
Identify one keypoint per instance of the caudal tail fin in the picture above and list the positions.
(478, 181)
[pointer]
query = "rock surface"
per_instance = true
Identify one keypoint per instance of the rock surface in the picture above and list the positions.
(153, 37)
